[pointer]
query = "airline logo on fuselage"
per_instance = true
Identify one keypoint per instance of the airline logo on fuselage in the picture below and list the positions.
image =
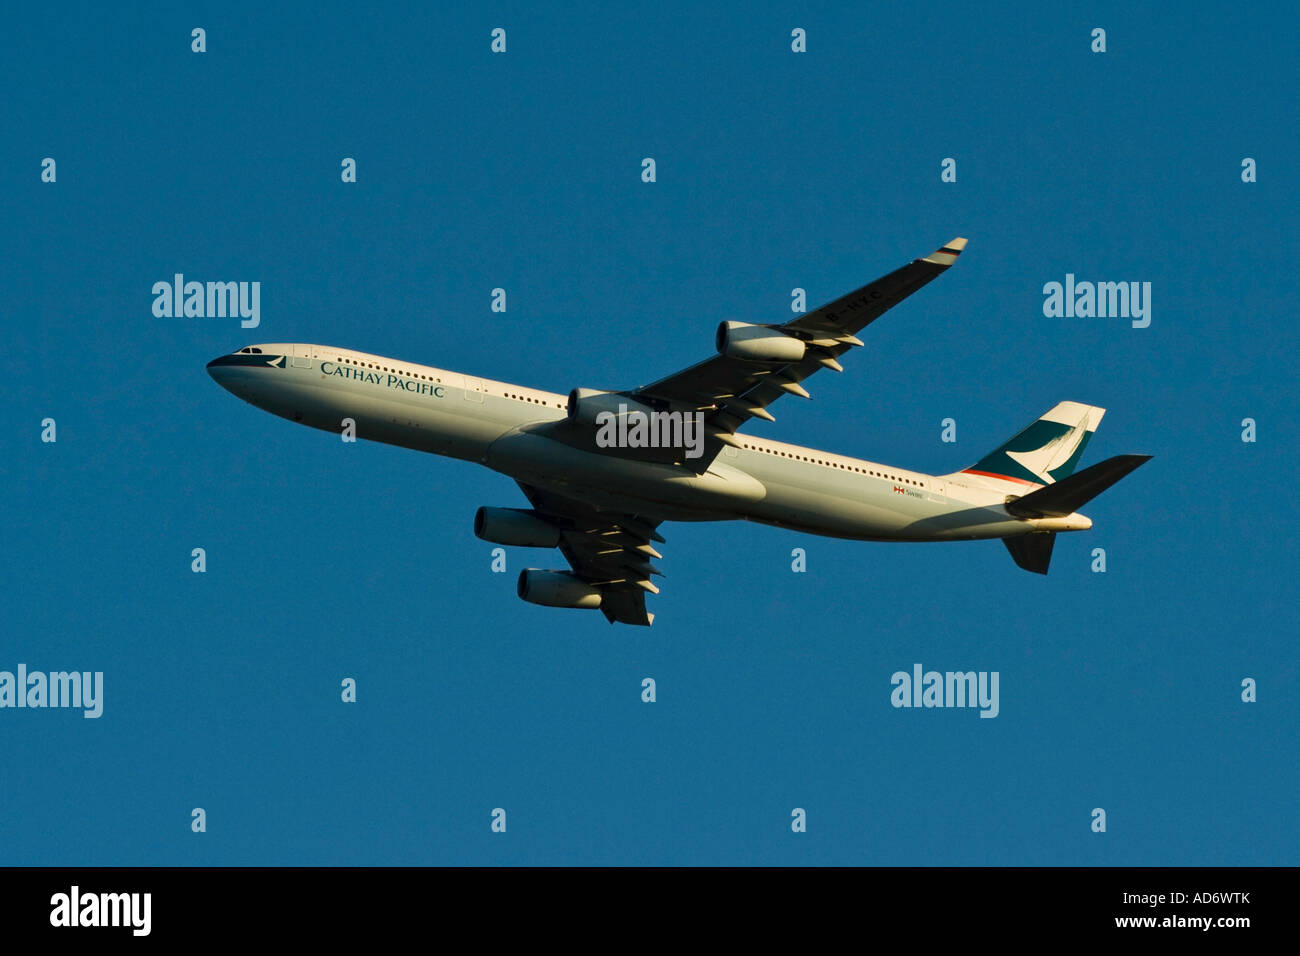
(388, 380)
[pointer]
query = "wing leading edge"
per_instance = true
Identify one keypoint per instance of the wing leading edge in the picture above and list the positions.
(731, 390)
(609, 551)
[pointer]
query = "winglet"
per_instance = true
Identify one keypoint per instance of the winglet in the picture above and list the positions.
(947, 254)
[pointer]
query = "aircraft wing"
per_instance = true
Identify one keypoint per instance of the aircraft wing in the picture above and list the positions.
(608, 550)
(731, 391)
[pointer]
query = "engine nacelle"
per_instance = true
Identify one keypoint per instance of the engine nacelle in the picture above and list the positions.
(586, 403)
(515, 526)
(758, 343)
(557, 589)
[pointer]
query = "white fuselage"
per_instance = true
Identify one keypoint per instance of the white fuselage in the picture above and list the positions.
(496, 424)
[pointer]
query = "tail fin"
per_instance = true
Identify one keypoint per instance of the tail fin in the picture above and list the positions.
(1047, 450)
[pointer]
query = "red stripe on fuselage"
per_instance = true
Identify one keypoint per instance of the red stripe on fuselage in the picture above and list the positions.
(989, 474)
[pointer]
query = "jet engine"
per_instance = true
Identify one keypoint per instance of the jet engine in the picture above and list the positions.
(758, 343)
(557, 589)
(586, 403)
(518, 527)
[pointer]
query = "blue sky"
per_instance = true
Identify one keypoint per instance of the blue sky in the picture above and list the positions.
(775, 170)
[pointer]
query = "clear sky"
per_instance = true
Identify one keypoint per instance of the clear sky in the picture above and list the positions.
(775, 170)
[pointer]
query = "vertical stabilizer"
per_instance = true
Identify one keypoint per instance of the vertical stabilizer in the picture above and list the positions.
(1046, 451)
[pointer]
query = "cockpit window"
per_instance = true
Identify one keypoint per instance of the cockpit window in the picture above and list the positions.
(256, 350)
(245, 349)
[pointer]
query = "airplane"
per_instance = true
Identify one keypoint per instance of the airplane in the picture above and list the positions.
(600, 484)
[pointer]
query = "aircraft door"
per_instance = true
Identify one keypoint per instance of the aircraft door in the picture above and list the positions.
(301, 356)
(473, 390)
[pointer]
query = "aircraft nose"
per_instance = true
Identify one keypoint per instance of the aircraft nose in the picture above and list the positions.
(217, 369)
(244, 373)
(225, 371)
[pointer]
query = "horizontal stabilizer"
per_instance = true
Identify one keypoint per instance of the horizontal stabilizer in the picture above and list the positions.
(1033, 552)
(1070, 494)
